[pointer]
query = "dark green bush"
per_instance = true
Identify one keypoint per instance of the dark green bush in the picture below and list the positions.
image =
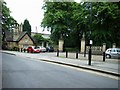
(72, 49)
(15, 49)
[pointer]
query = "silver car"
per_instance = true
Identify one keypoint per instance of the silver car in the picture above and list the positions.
(42, 49)
(113, 53)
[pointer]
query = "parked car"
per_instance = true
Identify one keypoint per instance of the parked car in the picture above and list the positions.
(50, 49)
(33, 49)
(42, 49)
(113, 53)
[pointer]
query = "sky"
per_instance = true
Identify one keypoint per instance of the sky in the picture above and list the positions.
(27, 9)
(30, 10)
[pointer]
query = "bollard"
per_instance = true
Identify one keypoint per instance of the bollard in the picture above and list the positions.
(84, 54)
(85, 51)
(103, 56)
(21, 49)
(57, 53)
(24, 49)
(76, 55)
(89, 62)
(66, 54)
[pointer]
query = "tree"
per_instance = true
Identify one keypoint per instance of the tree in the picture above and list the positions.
(105, 23)
(58, 16)
(69, 19)
(27, 26)
(38, 38)
(8, 22)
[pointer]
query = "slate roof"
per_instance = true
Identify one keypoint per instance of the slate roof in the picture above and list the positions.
(22, 35)
(9, 36)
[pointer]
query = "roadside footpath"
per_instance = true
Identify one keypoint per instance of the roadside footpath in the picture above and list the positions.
(109, 67)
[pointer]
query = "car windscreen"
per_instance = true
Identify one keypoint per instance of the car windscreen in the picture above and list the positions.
(36, 47)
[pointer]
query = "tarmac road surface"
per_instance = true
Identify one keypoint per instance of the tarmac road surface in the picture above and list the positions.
(19, 72)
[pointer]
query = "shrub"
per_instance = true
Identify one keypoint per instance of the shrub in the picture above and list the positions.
(15, 48)
(72, 49)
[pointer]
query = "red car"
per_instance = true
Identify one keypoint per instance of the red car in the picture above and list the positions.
(33, 49)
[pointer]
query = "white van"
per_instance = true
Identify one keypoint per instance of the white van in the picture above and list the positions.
(113, 52)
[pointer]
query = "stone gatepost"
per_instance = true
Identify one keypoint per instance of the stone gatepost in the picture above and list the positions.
(114, 45)
(42, 44)
(47, 44)
(61, 43)
(83, 44)
(104, 47)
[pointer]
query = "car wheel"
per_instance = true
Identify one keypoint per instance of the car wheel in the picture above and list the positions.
(108, 56)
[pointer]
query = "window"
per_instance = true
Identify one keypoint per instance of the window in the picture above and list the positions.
(118, 50)
(36, 47)
(114, 50)
(109, 50)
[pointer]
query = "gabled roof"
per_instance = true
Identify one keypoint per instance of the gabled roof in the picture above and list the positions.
(22, 35)
(9, 36)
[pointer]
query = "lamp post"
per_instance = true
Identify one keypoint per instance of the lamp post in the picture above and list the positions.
(85, 34)
(90, 42)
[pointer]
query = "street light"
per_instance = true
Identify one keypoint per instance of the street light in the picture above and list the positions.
(90, 42)
(85, 35)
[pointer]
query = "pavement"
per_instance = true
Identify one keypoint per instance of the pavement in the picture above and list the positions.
(110, 66)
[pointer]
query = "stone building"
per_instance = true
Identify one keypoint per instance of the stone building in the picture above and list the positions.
(17, 38)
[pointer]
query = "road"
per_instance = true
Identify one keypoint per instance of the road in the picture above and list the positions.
(20, 72)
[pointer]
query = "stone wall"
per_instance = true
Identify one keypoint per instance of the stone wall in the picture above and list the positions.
(25, 42)
(11, 45)
(95, 49)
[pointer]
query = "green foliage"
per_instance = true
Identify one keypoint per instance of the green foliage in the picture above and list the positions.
(58, 16)
(8, 22)
(72, 49)
(73, 19)
(15, 49)
(105, 24)
(38, 38)
(27, 26)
